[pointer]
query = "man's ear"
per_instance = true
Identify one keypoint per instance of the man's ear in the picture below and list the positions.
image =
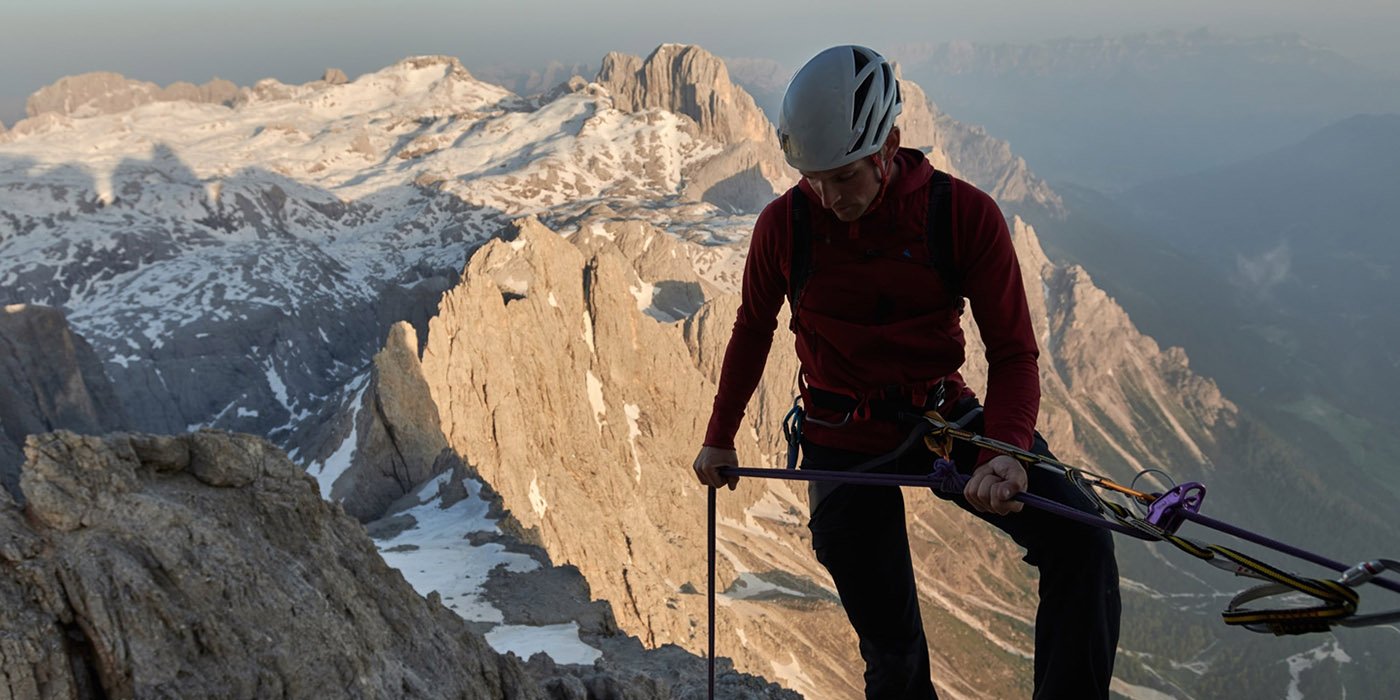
(891, 143)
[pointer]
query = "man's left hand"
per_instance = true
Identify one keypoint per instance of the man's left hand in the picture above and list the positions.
(995, 483)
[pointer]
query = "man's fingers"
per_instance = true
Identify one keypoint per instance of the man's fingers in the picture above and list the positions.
(973, 492)
(709, 475)
(970, 491)
(701, 474)
(990, 491)
(1006, 491)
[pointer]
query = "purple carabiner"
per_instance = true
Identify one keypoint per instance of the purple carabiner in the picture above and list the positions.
(1165, 511)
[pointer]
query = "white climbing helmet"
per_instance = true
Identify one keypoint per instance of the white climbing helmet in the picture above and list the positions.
(838, 108)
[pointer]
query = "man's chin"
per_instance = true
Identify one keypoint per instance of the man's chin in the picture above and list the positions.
(848, 215)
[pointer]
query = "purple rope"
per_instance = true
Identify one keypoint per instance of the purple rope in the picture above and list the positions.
(711, 588)
(944, 479)
(1261, 540)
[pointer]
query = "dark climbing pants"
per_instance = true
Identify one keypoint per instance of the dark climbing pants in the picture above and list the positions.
(859, 535)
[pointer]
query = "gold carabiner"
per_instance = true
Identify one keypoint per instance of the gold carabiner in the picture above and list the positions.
(939, 441)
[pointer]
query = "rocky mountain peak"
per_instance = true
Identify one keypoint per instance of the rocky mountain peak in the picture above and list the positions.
(417, 87)
(687, 80)
(334, 76)
(450, 64)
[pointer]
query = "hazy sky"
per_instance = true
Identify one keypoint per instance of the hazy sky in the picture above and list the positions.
(295, 40)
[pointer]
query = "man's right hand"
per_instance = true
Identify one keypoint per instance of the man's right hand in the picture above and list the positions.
(707, 465)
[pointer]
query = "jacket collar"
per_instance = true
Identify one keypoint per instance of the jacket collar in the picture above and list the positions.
(914, 172)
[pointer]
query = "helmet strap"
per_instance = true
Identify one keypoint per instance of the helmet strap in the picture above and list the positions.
(885, 170)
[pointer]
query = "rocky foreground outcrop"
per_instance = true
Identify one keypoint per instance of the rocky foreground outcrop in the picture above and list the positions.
(207, 565)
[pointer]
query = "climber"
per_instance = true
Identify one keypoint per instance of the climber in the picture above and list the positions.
(874, 250)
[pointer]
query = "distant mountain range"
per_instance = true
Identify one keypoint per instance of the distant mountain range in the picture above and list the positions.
(1112, 112)
(1279, 273)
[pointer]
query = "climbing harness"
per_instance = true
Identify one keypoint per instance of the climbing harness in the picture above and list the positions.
(1164, 513)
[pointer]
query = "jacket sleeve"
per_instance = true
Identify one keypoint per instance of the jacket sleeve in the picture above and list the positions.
(994, 288)
(764, 291)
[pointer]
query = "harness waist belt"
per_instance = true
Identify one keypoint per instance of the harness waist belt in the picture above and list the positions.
(897, 410)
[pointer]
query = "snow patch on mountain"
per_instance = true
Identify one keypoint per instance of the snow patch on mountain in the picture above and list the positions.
(1298, 664)
(436, 553)
(333, 466)
(560, 642)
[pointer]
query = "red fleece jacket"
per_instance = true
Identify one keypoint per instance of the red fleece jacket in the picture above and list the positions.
(849, 289)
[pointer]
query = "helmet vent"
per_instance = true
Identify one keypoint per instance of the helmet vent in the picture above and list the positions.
(861, 93)
(861, 59)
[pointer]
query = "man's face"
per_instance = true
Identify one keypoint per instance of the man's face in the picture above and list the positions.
(848, 190)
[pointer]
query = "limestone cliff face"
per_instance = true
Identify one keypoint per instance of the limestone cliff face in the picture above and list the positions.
(207, 565)
(49, 379)
(749, 171)
(919, 128)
